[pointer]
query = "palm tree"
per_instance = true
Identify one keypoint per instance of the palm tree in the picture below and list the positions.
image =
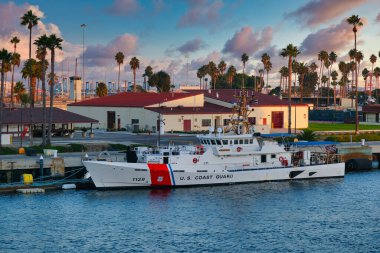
(283, 73)
(222, 67)
(101, 90)
(332, 59)
(344, 69)
(365, 74)
(213, 71)
(295, 65)
(30, 20)
(291, 52)
(268, 68)
(265, 59)
(135, 64)
(29, 71)
(119, 57)
(15, 61)
(244, 59)
(54, 43)
(204, 70)
(303, 69)
(334, 77)
(322, 56)
(18, 89)
(231, 72)
(5, 58)
(356, 22)
(372, 59)
(261, 76)
(42, 43)
(313, 67)
(376, 73)
(147, 74)
(200, 76)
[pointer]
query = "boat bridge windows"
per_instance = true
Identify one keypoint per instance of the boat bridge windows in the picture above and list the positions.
(219, 142)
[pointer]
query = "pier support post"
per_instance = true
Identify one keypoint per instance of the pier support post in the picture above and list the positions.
(41, 167)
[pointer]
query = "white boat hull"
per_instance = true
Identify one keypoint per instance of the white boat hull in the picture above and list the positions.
(133, 175)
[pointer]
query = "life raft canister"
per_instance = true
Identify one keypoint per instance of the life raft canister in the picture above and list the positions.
(239, 149)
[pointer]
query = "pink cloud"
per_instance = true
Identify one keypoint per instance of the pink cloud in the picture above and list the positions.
(321, 11)
(123, 7)
(201, 12)
(248, 41)
(333, 38)
(101, 55)
(191, 46)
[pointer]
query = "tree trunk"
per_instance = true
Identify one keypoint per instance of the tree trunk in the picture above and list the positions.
(12, 94)
(134, 80)
(51, 98)
(289, 95)
(43, 103)
(118, 81)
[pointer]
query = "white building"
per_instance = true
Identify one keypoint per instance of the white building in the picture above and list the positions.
(187, 111)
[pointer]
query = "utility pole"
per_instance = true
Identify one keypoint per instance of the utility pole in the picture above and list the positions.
(83, 79)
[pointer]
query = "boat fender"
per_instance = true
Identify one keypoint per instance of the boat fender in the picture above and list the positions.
(239, 149)
(195, 160)
(285, 163)
(281, 159)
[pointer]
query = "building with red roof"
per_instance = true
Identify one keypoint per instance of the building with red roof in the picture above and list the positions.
(192, 110)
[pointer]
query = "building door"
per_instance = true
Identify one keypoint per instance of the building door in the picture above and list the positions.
(278, 119)
(264, 121)
(111, 119)
(187, 125)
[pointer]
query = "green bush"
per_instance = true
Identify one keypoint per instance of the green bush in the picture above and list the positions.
(8, 151)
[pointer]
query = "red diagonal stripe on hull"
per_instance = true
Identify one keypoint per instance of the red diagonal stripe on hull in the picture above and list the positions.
(159, 175)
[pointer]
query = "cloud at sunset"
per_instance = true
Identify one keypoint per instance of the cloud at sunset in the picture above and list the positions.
(333, 38)
(123, 7)
(101, 55)
(201, 12)
(248, 41)
(316, 12)
(191, 46)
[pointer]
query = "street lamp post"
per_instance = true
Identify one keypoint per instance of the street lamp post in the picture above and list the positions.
(83, 79)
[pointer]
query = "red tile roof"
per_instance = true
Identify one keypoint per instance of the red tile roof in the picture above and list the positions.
(59, 116)
(206, 109)
(259, 99)
(130, 99)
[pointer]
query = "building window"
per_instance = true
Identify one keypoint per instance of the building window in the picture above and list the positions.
(206, 122)
(252, 120)
(135, 121)
(226, 122)
(273, 156)
(263, 158)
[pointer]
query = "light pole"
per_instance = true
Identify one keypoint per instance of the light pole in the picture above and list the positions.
(83, 80)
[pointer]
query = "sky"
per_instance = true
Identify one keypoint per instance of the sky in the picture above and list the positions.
(179, 36)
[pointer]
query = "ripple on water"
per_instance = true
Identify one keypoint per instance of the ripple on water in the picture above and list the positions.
(332, 215)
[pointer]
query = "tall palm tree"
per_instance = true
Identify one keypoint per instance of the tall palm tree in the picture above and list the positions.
(119, 57)
(261, 76)
(265, 59)
(204, 70)
(365, 74)
(15, 61)
(213, 71)
(231, 72)
(355, 20)
(147, 73)
(135, 64)
(283, 72)
(54, 43)
(295, 65)
(30, 20)
(268, 67)
(303, 69)
(200, 76)
(332, 59)
(376, 73)
(222, 67)
(29, 71)
(42, 43)
(372, 59)
(313, 67)
(291, 52)
(344, 69)
(244, 59)
(5, 58)
(334, 77)
(322, 56)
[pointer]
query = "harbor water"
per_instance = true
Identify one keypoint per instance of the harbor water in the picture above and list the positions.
(329, 215)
